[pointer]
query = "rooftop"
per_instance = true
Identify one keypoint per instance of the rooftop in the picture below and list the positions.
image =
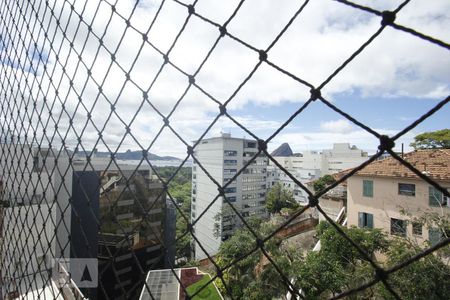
(435, 163)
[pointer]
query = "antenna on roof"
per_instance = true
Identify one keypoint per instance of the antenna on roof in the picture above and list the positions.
(402, 150)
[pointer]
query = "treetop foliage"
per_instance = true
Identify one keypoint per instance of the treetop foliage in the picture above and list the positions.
(336, 267)
(278, 198)
(439, 139)
(323, 182)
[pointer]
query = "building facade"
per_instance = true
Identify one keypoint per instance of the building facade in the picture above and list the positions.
(132, 231)
(341, 157)
(389, 196)
(36, 223)
(311, 165)
(58, 207)
(223, 157)
(276, 175)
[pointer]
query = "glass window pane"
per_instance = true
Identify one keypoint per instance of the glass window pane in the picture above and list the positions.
(406, 189)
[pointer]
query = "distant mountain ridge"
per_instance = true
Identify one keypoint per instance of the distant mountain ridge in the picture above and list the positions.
(130, 155)
(283, 150)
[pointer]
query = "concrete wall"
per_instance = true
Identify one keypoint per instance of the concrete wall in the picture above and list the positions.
(28, 246)
(210, 154)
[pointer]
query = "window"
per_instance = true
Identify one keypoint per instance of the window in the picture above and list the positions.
(417, 228)
(227, 179)
(229, 171)
(365, 220)
(230, 190)
(368, 188)
(227, 227)
(230, 152)
(436, 198)
(230, 161)
(231, 199)
(249, 154)
(434, 236)
(407, 189)
(250, 145)
(36, 163)
(398, 227)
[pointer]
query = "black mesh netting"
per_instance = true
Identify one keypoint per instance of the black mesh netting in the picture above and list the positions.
(80, 79)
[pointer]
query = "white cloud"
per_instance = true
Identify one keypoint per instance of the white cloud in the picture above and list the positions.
(339, 126)
(324, 35)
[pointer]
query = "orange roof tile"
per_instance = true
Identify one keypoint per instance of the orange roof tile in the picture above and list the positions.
(435, 162)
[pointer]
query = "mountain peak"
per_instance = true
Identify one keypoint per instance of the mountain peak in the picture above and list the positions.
(283, 150)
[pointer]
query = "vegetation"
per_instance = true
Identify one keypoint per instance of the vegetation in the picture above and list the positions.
(278, 198)
(183, 175)
(432, 140)
(323, 182)
(209, 292)
(338, 266)
(427, 278)
(180, 190)
(252, 277)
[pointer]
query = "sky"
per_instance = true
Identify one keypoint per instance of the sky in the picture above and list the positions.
(395, 80)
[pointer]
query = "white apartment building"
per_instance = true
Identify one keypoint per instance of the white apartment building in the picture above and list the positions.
(274, 175)
(223, 157)
(341, 157)
(311, 165)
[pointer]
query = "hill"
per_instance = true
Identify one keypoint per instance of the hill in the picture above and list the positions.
(283, 150)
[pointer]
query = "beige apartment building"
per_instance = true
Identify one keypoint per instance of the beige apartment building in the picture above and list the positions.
(379, 195)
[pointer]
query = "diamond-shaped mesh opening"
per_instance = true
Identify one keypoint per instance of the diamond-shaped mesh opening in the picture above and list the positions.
(119, 152)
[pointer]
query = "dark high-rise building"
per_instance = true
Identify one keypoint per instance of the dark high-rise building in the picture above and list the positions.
(135, 223)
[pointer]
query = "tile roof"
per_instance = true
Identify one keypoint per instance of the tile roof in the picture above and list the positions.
(435, 162)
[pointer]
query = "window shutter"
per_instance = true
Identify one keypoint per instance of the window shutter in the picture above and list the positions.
(434, 196)
(360, 220)
(369, 220)
(434, 236)
(367, 188)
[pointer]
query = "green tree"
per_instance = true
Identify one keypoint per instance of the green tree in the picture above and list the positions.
(252, 277)
(432, 140)
(179, 189)
(338, 265)
(323, 182)
(426, 278)
(278, 198)
(183, 246)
